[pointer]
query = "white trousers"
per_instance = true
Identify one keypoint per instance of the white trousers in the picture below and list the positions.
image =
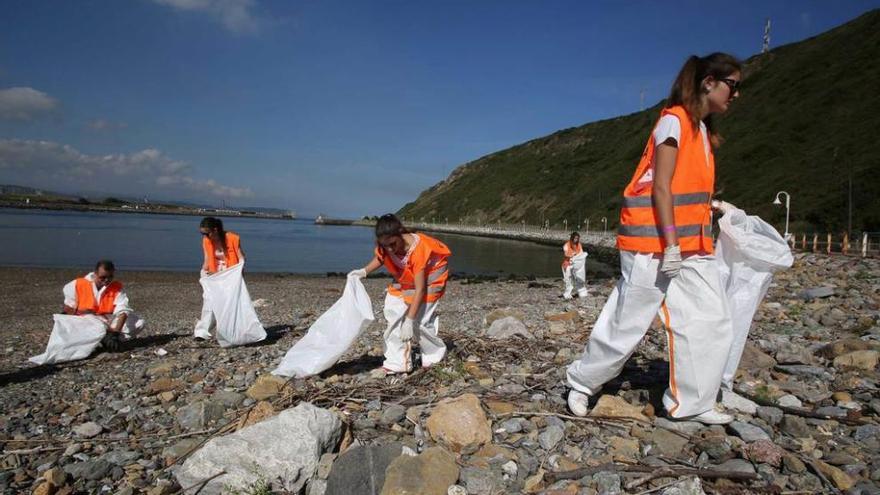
(574, 280)
(397, 353)
(133, 325)
(693, 309)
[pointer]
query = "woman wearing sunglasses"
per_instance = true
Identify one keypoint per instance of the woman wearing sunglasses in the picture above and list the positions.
(666, 259)
(419, 266)
(222, 250)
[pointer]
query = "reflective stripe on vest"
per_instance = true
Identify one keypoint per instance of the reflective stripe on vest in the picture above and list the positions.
(677, 200)
(654, 230)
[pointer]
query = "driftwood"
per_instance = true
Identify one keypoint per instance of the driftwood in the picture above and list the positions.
(666, 472)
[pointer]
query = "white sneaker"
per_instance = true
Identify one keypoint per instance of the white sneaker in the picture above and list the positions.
(710, 417)
(582, 294)
(566, 296)
(577, 402)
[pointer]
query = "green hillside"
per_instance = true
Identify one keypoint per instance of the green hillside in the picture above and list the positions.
(807, 120)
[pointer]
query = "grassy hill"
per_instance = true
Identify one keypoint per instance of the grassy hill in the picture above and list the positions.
(807, 121)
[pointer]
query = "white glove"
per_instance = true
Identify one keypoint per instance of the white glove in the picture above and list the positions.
(359, 273)
(406, 330)
(723, 206)
(671, 264)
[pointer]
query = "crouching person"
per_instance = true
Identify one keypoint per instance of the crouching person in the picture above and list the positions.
(97, 293)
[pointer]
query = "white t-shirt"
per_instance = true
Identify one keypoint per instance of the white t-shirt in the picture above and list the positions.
(670, 127)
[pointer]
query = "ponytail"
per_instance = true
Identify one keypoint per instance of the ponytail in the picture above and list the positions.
(686, 88)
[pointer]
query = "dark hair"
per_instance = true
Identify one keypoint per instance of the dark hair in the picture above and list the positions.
(212, 223)
(686, 88)
(106, 264)
(389, 225)
(572, 236)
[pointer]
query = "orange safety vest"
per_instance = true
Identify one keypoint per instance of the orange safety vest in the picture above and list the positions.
(85, 297)
(569, 252)
(431, 254)
(692, 184)
(232, 245)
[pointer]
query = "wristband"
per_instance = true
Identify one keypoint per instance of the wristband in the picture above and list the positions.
(669, 228)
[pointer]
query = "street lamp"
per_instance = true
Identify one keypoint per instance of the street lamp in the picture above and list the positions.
(787, 210)
(565, 225)
(588, 224)
(604, 225)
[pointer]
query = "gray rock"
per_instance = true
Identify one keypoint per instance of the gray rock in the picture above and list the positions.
(228, 398)
(513, 425)
(550, 437)
(749, 433)
(736, 402)
(804, 370)
(795, 426)
(89, 470)
(121, 457)
(772, 415)
(88, 430)
(393, 414)
(688, 486)
(478, 481)
(793, 354)
(689, 427)
(198, 415)
(789, 401)
(285, 449)
(833, 411)
(361, 470)
(736, 466)
(506, 328)
(716, 447)
(317, 487)
(180, 448)
(866, 432)
(817, 292)
(806, 482)
(607, 483)
(864, 488)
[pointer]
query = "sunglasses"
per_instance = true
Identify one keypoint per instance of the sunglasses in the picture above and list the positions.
(206, 234)
(733, 84)
(105, 277)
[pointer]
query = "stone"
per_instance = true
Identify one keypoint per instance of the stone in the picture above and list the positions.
(121, 457)
(88, 430)
(753, 358)
(795, 426)
(361, 470)
(840, 479)
(551, 436)
(534, 483)
(182, 447)
(736, 466)
(513, 425)
(749, 433)
(817, 293)
(497, 314)
(793, 354)
(163, 368)
(460, 424)
(607, 483)
(393, 414)
(845, 346)
(44, 489)
(623, 448)
(687, 427)
(612, 406)
(832, 411)
(198, 415)
(793, 464)
(667, 442)
(228, 398)
(286, 449)
(772, 415)
(164, 384)
(430, 473)
(478, 481)
(261, 410)
(863, 360)
(89, 470)
(865, 432)
(266, 387)
(55, 476)
(736, 402)
(567, 316)
(317, 487)
(789, 401)
(508, 327)
(687, 486)
(764, 451)
(457, 490)
(805, 370)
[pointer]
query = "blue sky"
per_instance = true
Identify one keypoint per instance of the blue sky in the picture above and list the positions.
(341, 107)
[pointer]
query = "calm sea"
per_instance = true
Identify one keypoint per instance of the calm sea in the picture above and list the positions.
(64, 239)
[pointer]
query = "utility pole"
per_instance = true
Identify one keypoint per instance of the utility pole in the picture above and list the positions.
(765, 47)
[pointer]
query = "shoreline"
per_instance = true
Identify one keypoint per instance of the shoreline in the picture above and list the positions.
(111, 209)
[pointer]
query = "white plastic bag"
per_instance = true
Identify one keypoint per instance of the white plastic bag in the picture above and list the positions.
(749, 251)
(227, 296)
(73, 337)
(331, 335)
(579, 269)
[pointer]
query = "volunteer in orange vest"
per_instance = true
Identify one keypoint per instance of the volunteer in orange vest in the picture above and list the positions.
(666, 260)
(571, 249)
(98, 294)
(221, 250)
(419, 266)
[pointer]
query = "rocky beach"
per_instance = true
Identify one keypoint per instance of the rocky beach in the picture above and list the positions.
(167, 413)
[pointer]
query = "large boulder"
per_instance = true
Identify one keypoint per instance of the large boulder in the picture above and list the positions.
(460, 424)
(430, 473)
(283, 450)
(361, 470)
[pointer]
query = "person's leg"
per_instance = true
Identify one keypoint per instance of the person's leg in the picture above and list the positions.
(624, 320)
(699, 332)
(398, 354)
(432, 346)
(206, 322)
(566, 277)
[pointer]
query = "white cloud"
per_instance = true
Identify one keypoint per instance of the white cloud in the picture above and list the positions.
(235, 15)
(51, 165)
(25, 104)
(105, 125)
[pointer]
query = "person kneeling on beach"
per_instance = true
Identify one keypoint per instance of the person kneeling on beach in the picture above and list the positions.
(419, 266)
(98, 294)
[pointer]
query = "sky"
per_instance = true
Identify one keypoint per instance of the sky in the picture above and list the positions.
(346, 108)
